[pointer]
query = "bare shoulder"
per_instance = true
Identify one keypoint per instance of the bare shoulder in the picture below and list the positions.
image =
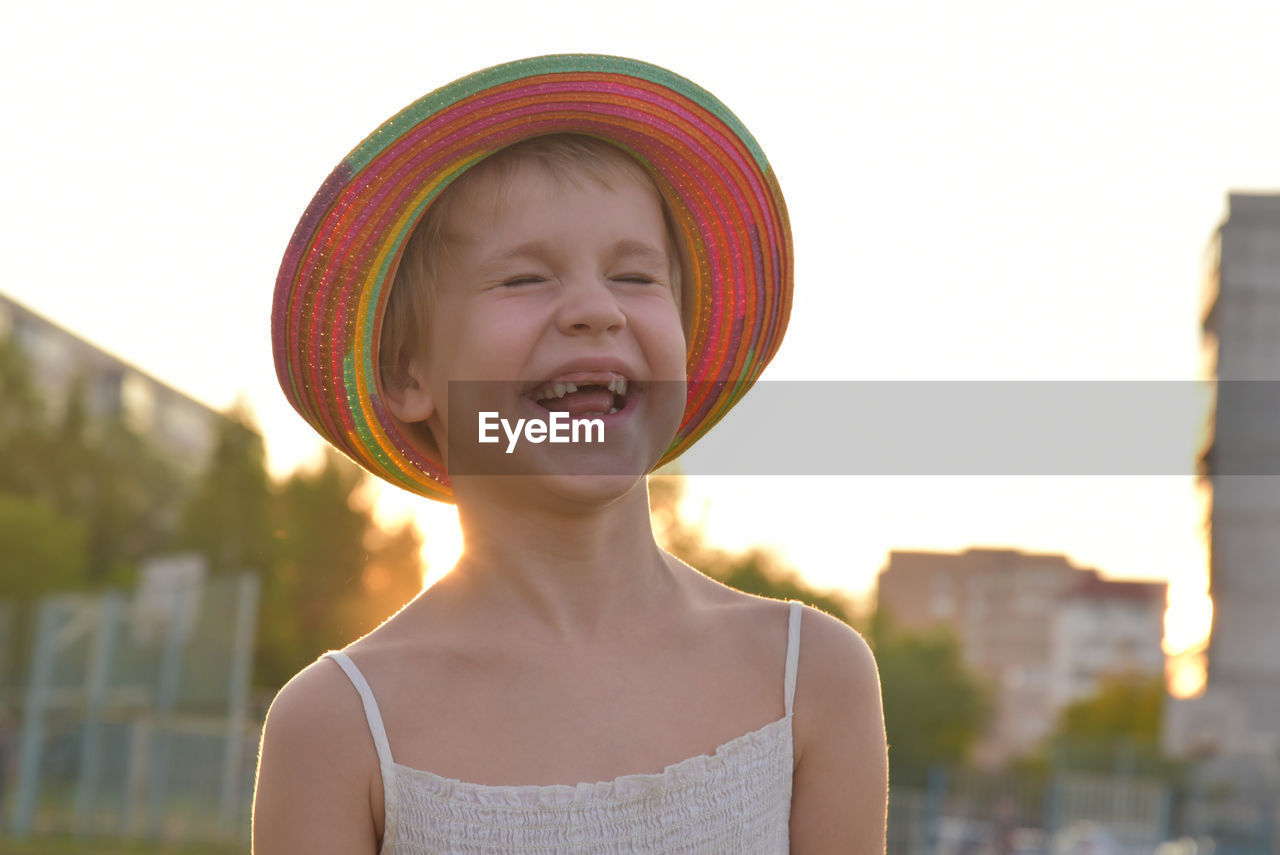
(840, 785)
(837, 670)
(316, 769)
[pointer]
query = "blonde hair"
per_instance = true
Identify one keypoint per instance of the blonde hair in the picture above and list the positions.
(568, 159)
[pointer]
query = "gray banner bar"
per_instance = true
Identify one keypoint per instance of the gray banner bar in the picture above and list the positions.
(975, 428)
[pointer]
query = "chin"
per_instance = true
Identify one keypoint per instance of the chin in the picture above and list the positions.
(590, 491)
(571, 493)
(575, 479)
(584, 477)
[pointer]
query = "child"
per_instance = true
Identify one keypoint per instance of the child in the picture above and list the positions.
(579, 235)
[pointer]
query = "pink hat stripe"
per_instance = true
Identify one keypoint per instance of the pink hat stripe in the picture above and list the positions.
(285, 312)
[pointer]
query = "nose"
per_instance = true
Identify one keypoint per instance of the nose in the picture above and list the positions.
(589, 306)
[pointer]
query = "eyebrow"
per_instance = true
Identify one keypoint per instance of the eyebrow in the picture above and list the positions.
(629, 247)
(623, 248)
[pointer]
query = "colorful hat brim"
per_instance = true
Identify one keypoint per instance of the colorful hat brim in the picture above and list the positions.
(332, 286)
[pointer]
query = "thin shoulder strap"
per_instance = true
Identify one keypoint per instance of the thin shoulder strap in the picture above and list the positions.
(371, 713)
(390, 792)
(793, 653)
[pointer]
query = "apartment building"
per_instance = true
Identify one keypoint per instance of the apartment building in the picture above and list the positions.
(61, 361)
(1241, 335)
(1041, 631)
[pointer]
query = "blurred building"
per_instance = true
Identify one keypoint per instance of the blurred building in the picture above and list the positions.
(1242, 347)
(1103, 628)
(1040, 630)
(63, 363)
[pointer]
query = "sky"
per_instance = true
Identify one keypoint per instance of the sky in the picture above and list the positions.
(987, 190)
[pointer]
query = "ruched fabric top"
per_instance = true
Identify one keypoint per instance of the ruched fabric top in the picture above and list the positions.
(734, 800)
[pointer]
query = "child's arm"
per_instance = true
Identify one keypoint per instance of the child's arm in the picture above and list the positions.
(840, 790)
(316, 770)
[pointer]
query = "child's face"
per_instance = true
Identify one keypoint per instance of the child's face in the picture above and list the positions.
(548, 282)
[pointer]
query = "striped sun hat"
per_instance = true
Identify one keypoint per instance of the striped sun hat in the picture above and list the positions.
(332, 287)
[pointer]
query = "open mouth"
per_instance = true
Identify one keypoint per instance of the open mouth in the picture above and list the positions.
(584, 395)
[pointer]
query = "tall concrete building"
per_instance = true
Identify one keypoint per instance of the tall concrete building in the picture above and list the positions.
(1041, 631)
(1242, 342)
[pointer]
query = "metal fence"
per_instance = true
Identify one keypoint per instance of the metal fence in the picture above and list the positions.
(130, 717)
(126, 715)
(965, 812)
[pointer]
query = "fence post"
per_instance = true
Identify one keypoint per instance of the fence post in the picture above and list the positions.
(8, 642)
(102, 656)
(1052, 792)
(935, 801)
(160, 755)
(238, 684)
(32, 740)
(1270, 800)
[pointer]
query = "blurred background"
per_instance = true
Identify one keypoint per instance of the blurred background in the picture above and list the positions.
(982, 191)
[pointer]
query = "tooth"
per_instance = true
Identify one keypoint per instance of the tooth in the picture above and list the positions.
(613, 410)
(622, 385)
(559, 387)
(570, 387)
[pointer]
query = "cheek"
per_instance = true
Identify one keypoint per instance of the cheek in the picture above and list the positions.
(482, 342)
(671, 344)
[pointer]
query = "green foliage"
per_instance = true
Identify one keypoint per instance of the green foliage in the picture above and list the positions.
(758, 571)
(42, 550)
(84, 499)
(23, 440)
(935, 708)
(129, 502)
(321, 541)
(100, 478)
(227, 517)
(1124, 707)
(1118, 728)
(329, 573)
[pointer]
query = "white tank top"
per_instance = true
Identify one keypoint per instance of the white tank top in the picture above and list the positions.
(735, 800)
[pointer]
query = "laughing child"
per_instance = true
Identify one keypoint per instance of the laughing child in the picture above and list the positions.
(594, 239)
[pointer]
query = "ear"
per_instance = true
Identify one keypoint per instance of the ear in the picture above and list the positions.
(410, 400)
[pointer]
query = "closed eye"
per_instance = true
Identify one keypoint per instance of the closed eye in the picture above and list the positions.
(516, 281)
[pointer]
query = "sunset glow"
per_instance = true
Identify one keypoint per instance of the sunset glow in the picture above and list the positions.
(966, 206)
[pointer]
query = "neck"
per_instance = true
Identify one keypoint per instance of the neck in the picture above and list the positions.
(574, 570)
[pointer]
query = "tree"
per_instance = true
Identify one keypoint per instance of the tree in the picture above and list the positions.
(98, 476)
(131, 505)
(42, 550)
(934, 708)
(23, 443)
(336, 574)
(756, 571)
(228, 515)
(1117, 728)
(329, 573)
(83, 499)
